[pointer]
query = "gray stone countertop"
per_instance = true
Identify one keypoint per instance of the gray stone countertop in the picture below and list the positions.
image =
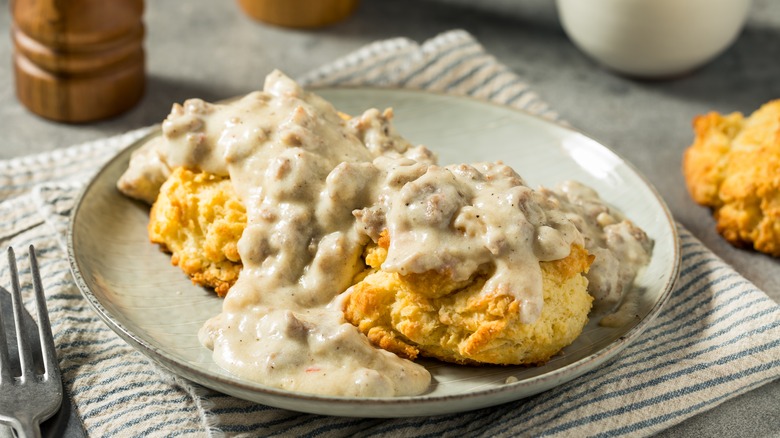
(209, 49)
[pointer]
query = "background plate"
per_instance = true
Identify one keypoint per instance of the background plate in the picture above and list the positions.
(153, 306)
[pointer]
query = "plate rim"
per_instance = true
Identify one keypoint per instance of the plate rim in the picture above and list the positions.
(437, 403)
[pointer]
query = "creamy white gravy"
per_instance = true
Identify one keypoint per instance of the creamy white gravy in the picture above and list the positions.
(318, 188)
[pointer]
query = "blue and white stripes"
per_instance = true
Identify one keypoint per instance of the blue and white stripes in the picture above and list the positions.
(114, 387)
(717, 337)
(453, 63)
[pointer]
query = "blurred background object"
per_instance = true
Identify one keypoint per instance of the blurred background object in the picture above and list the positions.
(653, 38)
(78, 60)
(299, 13)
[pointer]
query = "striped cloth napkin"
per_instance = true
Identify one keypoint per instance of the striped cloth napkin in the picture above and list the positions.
(716, 338)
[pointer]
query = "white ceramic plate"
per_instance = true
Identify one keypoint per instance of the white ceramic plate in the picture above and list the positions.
(152, 305)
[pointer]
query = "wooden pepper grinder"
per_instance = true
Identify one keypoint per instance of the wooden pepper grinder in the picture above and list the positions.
(78, 60)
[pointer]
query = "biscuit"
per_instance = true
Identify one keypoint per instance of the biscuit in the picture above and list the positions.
(733, 167)
(429, 315)
(198, 218)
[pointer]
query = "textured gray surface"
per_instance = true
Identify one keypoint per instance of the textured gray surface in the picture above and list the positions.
(208, 49)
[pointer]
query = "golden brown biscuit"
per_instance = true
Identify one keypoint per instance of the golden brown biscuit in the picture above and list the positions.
(733, 167)
(199, 219)
(430, 315)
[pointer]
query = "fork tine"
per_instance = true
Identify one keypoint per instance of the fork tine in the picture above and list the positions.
(25, 356)
(5, 363)
(44, 326)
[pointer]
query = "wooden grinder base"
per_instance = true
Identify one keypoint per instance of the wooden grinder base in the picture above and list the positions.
(79, 60)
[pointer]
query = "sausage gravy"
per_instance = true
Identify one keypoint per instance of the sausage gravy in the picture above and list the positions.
(318, 187)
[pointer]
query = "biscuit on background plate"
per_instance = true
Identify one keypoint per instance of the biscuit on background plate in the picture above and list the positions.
(733, 167)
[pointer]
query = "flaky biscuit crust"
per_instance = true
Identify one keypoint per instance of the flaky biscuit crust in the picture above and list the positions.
(733, 167)
(430, 315)
(197, 217)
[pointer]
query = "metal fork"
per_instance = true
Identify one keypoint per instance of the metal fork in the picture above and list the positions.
(30, 398)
